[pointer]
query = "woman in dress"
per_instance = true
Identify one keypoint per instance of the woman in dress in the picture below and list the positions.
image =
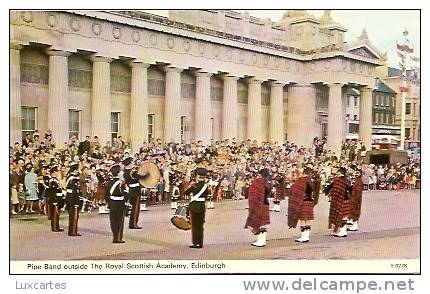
(30, 182)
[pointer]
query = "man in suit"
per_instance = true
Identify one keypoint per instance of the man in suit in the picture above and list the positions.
(198, 193)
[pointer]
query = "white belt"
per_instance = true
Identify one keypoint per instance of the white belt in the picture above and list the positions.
(117, 198)
(69, 191)
(60, 194)
(199, 200)
(134, 185)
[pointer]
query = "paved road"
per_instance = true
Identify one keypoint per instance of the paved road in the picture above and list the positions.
(389, 229)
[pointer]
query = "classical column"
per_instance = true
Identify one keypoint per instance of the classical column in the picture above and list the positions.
(365, 126)
(229, 108)
(15, 94)
(203, 128)
(101, 100)
(276, 120)
(172, 105)
(58, 102)
(139, 105)
(254, 110)
(335, 119)
(301, 114)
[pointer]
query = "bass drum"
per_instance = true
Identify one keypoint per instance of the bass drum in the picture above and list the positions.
(180, 218)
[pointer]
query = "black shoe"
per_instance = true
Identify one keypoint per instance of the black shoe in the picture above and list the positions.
(135, 228)
(59, 230)
(122, 241)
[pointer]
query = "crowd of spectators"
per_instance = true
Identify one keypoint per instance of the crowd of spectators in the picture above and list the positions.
(232, 166)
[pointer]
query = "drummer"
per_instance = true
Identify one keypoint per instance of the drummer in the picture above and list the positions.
(198, 193)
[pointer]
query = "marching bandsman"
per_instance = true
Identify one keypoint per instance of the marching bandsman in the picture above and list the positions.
(73, 199)
(356, 198)
(198, 193)
(175, 196)
(55, 199)
(116, 194)
(301, 203)
(340, 192)
(144, 193)
(213, 184)
(279, 186)
(258, 203)
(131, 179)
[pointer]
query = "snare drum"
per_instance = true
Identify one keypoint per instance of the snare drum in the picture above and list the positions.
(180, 218)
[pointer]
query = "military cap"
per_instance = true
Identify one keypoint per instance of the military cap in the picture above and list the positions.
(127, 161)
(115, 169)
(201, 171)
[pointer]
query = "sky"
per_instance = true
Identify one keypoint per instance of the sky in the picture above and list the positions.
(384, 27)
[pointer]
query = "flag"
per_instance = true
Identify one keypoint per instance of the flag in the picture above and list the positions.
(405, 48)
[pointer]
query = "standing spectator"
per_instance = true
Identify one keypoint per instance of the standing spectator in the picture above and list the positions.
(84, 146)
(30, 182)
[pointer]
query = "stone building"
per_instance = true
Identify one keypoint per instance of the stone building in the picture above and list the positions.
(196, 75)
(412, 105)
(385, 128)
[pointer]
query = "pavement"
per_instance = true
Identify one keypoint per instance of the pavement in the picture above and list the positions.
(389, 228)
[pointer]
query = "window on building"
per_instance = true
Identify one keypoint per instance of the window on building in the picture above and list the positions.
(355, 117)
(407, 132)
(355, 101)
(28, 120)
(151, 119)
(353, 128)
(115, 121)
(414, 108)
(74, 123)
(408, 108)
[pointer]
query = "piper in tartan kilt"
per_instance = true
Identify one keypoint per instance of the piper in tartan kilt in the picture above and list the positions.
(279, 192)
(301, 202)
(340, 205)
(356, 198)
(258, 213)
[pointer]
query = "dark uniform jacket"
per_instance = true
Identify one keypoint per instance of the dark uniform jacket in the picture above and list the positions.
(72, 186)
(197, 206)
(54, 191)
(118, 191)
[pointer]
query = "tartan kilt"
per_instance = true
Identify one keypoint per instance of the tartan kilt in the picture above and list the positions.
(307, 211)
(345, 209)
(101, 192)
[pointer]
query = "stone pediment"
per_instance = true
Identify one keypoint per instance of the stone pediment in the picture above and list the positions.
(365, 52)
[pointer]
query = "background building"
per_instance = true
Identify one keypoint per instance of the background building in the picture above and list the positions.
(196, 75)
(412, 104)
(385, 129)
